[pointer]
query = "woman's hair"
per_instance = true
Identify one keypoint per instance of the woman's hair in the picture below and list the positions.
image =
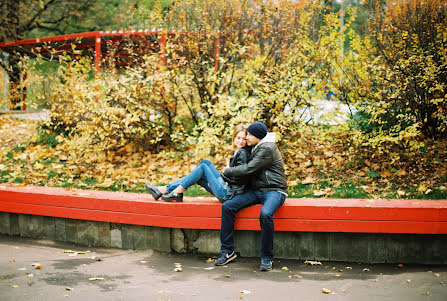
(239, 128)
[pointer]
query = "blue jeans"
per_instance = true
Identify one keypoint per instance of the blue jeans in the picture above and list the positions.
(206, 175)
(270, 200)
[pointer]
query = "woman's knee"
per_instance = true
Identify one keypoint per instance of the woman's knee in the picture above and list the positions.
(206, 162)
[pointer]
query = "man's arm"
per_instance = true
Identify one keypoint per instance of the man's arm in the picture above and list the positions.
(263, 157)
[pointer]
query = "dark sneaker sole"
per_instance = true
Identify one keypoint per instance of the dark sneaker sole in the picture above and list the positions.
(265, 269)
(227, 261)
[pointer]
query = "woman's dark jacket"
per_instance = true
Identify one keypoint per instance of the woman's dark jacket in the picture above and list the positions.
(237, 185)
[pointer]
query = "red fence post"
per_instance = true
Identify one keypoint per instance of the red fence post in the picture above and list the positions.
(216, 53)
(97, 60)
(97, 53)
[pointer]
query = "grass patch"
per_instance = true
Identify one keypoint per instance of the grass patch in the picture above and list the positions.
(349, 190)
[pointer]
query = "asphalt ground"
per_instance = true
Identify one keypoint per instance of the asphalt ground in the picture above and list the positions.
(116, 274)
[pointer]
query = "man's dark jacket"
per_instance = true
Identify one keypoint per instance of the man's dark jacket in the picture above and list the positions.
(265, 168)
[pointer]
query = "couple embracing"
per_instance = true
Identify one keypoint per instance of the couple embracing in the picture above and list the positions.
(255, 175)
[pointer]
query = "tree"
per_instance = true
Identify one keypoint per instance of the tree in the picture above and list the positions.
(37, 18)
(409, 39)
(25, 16)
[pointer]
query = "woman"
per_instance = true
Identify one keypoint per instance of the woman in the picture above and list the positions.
(206, 175)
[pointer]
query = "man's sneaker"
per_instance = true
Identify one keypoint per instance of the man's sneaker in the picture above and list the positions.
(225, 258)
(266, 265)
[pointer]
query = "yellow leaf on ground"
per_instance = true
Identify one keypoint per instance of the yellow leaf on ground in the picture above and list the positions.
(313, 262)
(386, 173)
(308, 180)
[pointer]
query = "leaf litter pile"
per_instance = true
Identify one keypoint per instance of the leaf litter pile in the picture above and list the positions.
(316, 165)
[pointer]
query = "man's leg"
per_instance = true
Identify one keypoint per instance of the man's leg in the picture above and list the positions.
(271, 201)
(229, 209)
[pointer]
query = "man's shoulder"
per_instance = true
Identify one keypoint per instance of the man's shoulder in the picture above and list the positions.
(267, 146)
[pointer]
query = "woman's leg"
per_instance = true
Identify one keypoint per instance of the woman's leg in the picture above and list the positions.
(206, 175)
(192, 178)
(213, 182)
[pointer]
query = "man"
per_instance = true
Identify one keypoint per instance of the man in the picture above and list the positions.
(269, 188)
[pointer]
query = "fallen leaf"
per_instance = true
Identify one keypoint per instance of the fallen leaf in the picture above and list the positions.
(245, 292)
(22, 269)
(437, 274)
(38, 267)
(95, 278)
(210, 260)
(227, 276)
(143, 261)
(285, 268)
(401, 172)
(386, 174)
(368, 189)
(401, 193)
(209, 269)
(326, 291)
(308, 180)
(313, 262)
(323, 192)
(12, 260)
(30, 275)
(409, 280)
(297, 276)
(178, 267)
(366, 270)
(68, 289)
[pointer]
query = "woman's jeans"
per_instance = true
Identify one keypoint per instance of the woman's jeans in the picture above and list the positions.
(270, 200)
(207, 176)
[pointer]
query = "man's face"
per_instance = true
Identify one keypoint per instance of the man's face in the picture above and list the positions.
(252, 140)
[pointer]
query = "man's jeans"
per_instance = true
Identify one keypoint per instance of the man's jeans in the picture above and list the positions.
(207, 176)
(270, 200)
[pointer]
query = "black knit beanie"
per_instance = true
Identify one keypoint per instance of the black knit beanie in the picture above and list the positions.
(257, 129)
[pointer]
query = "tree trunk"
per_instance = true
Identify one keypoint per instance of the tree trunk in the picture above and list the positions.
(10, 32)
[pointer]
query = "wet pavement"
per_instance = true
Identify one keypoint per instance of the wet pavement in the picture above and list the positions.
(59, 273)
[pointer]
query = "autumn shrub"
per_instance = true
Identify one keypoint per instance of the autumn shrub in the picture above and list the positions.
(409, 74)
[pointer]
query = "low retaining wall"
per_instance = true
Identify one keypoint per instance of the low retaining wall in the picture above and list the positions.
(353, 247)
(369, 231)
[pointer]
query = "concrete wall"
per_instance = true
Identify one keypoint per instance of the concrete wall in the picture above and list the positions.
(354, 247)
